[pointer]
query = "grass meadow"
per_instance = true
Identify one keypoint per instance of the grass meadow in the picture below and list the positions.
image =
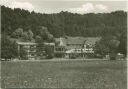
(87, 74)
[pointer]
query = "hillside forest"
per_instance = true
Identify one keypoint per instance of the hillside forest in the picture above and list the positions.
(19, 23)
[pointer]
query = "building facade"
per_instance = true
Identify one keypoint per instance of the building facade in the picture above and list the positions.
(26, 50)
(77, 46)
(70, 47)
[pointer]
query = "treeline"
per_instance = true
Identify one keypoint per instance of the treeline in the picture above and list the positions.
(64, 23)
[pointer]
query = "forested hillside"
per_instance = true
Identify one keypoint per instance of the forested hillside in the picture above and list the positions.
(65, 23)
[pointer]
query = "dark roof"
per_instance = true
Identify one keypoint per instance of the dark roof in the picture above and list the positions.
(82, 40)
(75, 40)
(79, 40)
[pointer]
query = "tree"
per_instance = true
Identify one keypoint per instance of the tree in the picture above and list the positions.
(51, 38)
(113, 45)
(8, 48)
(122, 48)
(38, 39)
(43, 32)
(25, 36)
(101, 48)
(49, 49)
(18, 33)
(45, 36)
(107, 45)
(30, 35)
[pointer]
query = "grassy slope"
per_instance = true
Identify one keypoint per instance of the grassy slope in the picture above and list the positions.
(65, 74)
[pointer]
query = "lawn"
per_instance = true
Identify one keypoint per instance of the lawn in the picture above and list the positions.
(91, 74)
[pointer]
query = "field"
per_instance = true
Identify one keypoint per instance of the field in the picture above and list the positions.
(91, 74)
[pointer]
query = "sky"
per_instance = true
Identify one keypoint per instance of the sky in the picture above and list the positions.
(74, 6)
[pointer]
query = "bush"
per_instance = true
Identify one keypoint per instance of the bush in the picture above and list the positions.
(49, 51)
(59, 55)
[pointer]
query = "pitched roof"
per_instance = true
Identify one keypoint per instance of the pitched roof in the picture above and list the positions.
(79, 40)
(75, 40)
